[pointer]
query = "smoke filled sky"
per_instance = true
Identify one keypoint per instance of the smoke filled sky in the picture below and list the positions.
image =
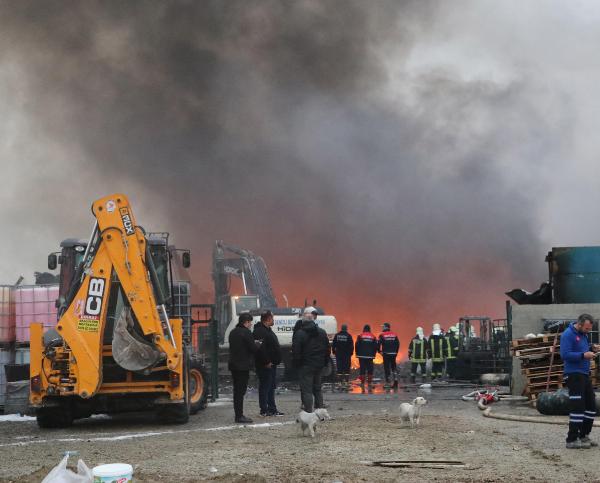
(403, 161)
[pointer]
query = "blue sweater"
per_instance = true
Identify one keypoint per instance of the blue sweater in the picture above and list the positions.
(572, 346)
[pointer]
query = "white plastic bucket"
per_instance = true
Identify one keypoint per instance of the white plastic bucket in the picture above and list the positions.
(113, 473)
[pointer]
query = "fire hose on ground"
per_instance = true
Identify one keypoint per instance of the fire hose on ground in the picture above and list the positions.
(527, 419)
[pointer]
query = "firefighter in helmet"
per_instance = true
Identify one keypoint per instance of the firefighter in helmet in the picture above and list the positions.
(436, 352)
(417, 355)
(450, 351)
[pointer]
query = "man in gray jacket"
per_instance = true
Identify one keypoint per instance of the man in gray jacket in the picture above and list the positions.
(310, 352)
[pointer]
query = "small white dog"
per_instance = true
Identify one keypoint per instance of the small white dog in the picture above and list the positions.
(323, 414)
(412, 412)
(310, 420)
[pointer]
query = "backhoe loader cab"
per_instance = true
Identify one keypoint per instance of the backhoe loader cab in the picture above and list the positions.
(119, 344)
(162, 254)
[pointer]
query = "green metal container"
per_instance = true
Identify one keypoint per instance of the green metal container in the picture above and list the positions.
(575, 274)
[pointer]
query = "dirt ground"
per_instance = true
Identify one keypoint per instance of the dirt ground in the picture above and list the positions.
(365, 429)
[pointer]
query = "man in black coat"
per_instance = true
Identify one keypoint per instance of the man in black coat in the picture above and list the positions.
(242, 349)
(389, 345)
(310, 352)
(267, 359)
(343, 348)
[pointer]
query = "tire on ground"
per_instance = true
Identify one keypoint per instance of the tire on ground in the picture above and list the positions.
(55, 416)
(178, 413)
(198, 386)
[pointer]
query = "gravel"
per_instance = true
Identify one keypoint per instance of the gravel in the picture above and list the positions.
(365, 428)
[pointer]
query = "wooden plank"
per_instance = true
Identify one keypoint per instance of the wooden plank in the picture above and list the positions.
(537, 370)
(536, 363)
(537, 351)
(554, 376)
(559, 366)
(535, 385)
(533, 341)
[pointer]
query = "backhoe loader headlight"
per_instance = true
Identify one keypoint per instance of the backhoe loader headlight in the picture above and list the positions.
(36, 384)
(175, 379)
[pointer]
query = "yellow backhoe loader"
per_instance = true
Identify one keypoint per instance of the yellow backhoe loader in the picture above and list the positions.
(118, 344)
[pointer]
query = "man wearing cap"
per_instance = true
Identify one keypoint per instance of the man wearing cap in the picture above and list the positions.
(267, 359)
(417, 355)
(436, 352)
(310, 353)
(389, 345)
(343, 348)
(450, 351)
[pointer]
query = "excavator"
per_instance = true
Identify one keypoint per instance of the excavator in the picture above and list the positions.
(230, 261)
(118, 344)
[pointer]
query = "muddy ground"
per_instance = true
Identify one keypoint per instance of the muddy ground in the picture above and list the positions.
(365, 428)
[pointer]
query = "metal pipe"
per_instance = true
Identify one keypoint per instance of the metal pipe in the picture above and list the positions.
(244, 282)
(169, 329)
(89, 245)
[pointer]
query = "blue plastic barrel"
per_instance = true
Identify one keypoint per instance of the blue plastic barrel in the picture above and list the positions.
(575, 274)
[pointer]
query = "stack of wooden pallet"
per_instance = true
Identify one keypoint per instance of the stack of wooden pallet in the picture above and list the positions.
(543, 371)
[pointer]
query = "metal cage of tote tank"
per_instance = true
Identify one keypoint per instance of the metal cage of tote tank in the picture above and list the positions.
(6, 357)
(34, 303)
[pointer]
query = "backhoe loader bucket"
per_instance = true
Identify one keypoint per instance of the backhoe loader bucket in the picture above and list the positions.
(130, 352)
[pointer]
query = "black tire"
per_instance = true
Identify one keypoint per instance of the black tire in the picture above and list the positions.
(178, 413)
(55, 416)
(198, 387)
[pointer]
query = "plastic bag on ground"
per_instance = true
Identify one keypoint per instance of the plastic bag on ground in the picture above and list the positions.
(61, 474)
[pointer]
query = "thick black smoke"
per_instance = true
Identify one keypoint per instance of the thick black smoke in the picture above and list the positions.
(273, 125)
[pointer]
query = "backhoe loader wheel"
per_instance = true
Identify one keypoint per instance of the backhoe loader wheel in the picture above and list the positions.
(198, 387)
(55, 416)
(178, 413)
(174, 413)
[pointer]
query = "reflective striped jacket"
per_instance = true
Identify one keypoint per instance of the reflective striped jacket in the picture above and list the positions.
(436, 347)
(417, 350)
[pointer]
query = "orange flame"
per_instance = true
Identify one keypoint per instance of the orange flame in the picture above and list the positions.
(378, 360)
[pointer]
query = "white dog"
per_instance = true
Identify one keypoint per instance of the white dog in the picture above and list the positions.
(412, 412)
(310, 420)
(323, 414)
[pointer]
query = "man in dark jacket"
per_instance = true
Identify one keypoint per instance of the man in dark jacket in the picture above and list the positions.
(366, 349)
(389, 345)
(310, 352)
(576, 353)
(267, 358)
(343, 348)
(242, 349)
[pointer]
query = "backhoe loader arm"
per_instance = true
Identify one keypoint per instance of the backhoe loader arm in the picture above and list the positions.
(118, 247)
